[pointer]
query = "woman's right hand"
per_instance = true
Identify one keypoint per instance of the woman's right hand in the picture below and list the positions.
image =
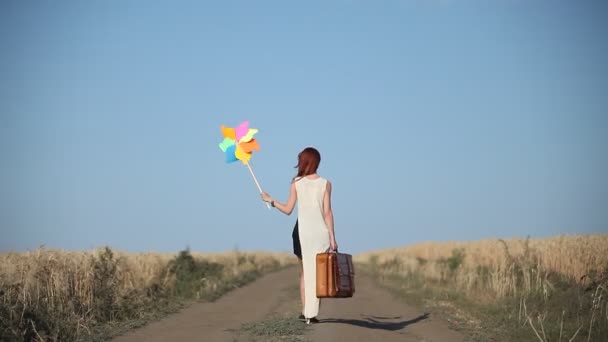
(266, 197)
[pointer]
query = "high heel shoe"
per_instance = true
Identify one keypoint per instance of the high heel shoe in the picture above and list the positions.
(312, 320)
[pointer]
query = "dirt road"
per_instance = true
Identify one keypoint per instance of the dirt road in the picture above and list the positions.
(373, 314)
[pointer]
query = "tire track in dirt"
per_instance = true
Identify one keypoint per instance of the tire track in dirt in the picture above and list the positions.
(373, 314)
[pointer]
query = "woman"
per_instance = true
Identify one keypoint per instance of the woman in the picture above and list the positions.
(315, 222)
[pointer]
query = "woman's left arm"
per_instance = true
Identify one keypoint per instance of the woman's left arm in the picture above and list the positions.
(286, 208)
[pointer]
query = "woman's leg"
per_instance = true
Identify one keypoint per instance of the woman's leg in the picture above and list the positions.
(302, 297)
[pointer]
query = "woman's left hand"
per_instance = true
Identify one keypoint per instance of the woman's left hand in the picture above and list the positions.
(266, 197)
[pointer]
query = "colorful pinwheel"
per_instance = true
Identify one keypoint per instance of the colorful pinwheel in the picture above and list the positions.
(239, 144)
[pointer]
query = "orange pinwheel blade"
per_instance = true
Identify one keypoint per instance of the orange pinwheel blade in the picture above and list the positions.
(229, 132)
(250, 146)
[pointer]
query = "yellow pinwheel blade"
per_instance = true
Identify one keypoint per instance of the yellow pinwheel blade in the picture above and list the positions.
(247, 137)
(242, 155)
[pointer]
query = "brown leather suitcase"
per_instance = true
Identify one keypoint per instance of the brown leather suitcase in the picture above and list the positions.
(335, 275)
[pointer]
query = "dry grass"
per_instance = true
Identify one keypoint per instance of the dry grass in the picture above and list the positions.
(491, 263)
(62, 295)
(550, 289)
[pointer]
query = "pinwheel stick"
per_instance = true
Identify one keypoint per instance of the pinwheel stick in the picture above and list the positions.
(256, 182)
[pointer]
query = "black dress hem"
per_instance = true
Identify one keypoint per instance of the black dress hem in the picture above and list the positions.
(295, 236)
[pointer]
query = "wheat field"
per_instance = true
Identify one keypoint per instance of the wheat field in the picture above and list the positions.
(543, 289)
(492, 263)
(69, 275)
(51, 295)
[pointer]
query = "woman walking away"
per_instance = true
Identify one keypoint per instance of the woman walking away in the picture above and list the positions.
(315, 222)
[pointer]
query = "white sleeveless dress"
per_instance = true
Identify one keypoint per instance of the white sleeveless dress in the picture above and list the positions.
(314, 236)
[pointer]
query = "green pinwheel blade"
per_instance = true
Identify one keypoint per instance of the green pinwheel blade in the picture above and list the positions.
(227, 142)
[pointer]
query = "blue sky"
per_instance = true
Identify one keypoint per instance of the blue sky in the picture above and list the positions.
(436, 120)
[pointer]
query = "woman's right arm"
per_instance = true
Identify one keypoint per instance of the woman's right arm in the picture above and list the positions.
(328, 215)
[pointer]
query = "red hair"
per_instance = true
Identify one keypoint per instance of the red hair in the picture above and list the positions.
(308, 161)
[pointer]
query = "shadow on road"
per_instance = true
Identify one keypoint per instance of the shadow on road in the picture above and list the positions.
(373, 322)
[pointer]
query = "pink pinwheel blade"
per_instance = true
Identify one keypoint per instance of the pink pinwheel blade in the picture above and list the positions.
(241, 130)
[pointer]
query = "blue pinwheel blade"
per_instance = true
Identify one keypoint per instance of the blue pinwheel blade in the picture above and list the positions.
(231, 154)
